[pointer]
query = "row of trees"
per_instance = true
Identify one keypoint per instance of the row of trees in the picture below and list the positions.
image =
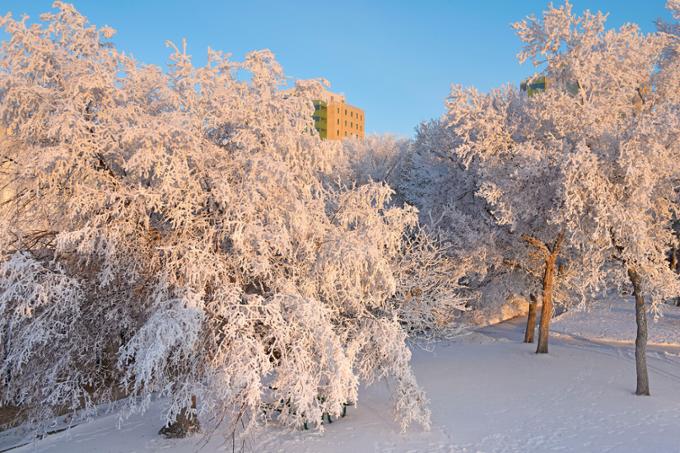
(186, 234)
(577, 184)
(570, 193)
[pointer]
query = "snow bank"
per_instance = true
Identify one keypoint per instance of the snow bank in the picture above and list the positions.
(614, 321)
(489, 393)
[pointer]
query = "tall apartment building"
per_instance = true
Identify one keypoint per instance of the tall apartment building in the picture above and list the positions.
(540, 83)
(337, 120)
(534, 85)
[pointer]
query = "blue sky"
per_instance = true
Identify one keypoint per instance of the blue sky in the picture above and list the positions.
(396, 59)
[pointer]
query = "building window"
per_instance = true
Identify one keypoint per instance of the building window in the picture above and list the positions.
(350, 124)
(338, 134)
(338, 109)
(345, 111)
(338, 121)
(345, 122)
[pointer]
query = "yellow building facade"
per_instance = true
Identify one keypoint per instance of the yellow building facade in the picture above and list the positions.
(335, 119)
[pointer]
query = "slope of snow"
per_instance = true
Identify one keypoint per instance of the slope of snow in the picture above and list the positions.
(489, 393)
(614, 322)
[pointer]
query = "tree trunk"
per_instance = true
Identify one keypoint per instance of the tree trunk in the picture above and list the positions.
(531, 320)
(550, 255)
(641, 337)
(186, 423)
(546, 309)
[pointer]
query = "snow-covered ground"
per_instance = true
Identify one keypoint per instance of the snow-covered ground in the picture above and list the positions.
(489, 393)
(614, 322)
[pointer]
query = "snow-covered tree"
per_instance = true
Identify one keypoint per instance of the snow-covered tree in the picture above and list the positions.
(377, 158)
(173, 234)
(619, 142)
(431, 297)
(584, 170)
(517, 179)
(444, 188)
(666, 82)
(668, 77)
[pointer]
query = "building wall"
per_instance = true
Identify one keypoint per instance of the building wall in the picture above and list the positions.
(342, 120)
(534, 85)
(321, 118)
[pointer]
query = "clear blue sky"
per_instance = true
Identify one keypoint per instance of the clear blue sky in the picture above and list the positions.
(396, 59)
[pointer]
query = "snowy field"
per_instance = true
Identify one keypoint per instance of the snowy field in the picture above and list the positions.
(489, 393)
(614, 322)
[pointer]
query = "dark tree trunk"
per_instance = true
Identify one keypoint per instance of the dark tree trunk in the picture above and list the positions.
(531, 320)
(641, 337)
(675, 267)
(551, 255)
(186, 423)
(546, 309)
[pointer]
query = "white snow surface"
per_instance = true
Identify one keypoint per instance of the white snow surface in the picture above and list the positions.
(613, 321)
(489, 393)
